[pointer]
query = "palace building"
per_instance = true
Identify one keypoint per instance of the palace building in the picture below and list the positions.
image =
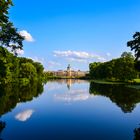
(70, 73)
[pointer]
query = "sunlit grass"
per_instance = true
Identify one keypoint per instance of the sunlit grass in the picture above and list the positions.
(107, 82)
(137, 80)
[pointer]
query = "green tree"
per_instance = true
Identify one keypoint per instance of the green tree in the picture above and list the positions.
(27, 70)
(9, 36)
(118, 69)
(39, 68)
(4, 6)
(135, 44)
(127, 54)
(8, 66)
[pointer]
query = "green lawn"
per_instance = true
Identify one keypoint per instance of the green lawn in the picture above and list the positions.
(137, 80)
(107, 82)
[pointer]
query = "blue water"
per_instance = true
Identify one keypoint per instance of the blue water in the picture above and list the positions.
(67, 110)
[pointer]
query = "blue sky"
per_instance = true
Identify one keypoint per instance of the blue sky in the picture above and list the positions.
(76, 32)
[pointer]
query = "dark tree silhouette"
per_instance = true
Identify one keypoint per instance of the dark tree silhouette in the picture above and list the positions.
(4, 6)
(137, 133)
(135, 44)
(2, 126)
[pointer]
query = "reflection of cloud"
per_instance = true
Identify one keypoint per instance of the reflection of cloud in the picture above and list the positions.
(25, 115)
(52, 86)
(73, 95)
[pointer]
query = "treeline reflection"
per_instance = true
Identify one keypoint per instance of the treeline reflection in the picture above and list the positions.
(137, 133)
(13, 93)
(124, 97)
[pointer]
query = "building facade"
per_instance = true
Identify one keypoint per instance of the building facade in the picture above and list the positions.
(70, 73)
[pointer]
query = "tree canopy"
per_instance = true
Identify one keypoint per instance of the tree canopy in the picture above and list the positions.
(121, 69)
(5, 4)
(9, 36)
(135, 44)
(13, 68)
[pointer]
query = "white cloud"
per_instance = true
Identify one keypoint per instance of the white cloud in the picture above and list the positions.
(19, 51)
(25, 115)
(77, 60)
(73, 54)
(79, 56)
(27, 36)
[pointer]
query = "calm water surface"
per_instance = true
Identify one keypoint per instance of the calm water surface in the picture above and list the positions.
(69, 110)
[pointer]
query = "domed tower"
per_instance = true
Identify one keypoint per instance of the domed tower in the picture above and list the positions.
(69, 70)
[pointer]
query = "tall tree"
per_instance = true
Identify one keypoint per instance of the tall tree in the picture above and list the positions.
(135, 44)
(9, 36)
(4, 6)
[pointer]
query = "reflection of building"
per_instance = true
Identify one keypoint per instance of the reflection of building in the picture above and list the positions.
(69, 83)
(70, 73)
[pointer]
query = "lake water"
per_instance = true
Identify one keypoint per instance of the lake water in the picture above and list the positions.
(69, 110)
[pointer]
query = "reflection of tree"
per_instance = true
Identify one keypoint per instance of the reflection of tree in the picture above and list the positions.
(12, 94)
(137, 134)
(2, 126)
(125, 98)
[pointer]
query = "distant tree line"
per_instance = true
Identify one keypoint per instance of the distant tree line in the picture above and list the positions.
(121, 69)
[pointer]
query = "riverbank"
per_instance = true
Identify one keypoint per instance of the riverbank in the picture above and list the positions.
(107, 82)
(135, 83)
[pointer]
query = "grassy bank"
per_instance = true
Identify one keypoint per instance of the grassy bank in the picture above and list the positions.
(107, 82)
(135, 83)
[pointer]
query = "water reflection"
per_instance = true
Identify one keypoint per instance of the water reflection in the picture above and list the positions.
(67, 82)
(25, 115)
(2, 126)
(137, 134)
(12, 94)
(85, 118)
(124, 97)
(72, 95)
